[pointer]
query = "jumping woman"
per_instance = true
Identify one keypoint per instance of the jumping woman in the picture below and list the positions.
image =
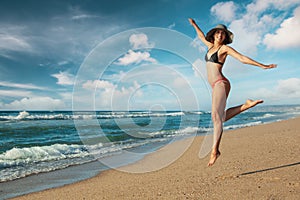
(216, 41)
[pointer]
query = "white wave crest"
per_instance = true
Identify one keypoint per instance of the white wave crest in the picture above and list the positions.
(242, 125)
(264, 116)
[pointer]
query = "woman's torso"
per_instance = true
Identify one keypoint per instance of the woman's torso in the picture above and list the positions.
(214, 64)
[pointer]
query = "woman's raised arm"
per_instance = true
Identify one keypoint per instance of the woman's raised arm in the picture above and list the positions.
(200, 34)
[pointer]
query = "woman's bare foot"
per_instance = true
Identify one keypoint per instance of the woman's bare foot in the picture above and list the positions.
(213, 158)
(251, 103)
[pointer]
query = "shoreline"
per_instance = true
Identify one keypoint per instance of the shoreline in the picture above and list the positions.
(267, 167)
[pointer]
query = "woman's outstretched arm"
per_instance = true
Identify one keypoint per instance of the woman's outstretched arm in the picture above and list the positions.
(200, 33)
(246, 60)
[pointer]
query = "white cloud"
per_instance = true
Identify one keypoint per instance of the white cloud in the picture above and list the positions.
(12, 40)
(224, 10)
(260, 5)
(66, 96)
(77, 13)
(196, 43)
(15, 93)
(21, 86)
(288, 89)
(140, 41)
(98, 84)
(171, 26)
(179, 82)
(287, 35)
(135, 58)
(108, 95)
(64, 78)
(137, 41)
(118, 76)
(63, 62)
(34, 103)
(200, 69)
(248, 38)
(83, 16)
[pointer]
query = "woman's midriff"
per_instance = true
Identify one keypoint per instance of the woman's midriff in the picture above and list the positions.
(214, 74)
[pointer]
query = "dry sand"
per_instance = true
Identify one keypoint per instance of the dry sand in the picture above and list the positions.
(259, 162)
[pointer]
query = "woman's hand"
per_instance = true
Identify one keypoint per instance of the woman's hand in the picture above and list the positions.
(269, 66)
(192, 22)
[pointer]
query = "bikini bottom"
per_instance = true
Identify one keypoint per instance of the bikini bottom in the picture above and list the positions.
(223, 79)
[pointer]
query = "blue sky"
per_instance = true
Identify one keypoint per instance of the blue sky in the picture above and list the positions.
(51, 53)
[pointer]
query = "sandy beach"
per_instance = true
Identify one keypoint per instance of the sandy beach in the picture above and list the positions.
(259, 162)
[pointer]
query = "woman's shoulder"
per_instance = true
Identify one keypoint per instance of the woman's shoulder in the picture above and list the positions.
(227, 48)
(209, 45)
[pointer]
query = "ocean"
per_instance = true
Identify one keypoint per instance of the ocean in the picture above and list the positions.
(39, 142)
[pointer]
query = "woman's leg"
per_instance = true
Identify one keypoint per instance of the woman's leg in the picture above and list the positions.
(231, 112)
(219, 97)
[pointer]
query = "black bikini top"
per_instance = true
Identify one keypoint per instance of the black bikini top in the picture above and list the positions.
(214, 57)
